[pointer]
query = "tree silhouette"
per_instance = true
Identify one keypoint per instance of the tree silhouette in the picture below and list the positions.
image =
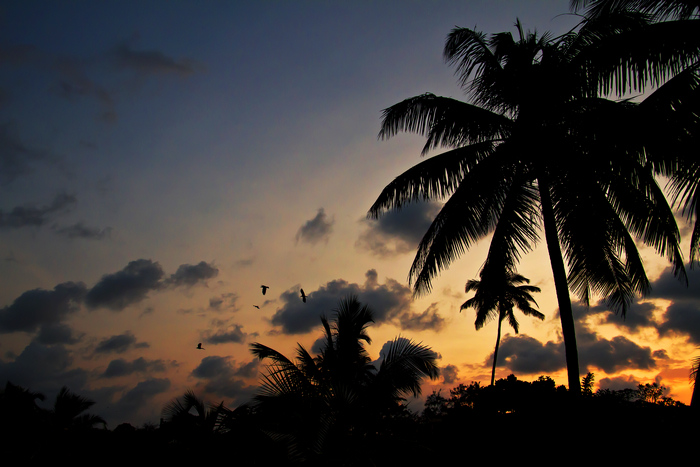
(331, 403)
(190, 416)
(68, 411)
(497, 293)
(541, 143)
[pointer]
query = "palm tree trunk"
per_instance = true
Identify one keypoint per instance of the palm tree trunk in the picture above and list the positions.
(495, 352)
(562, 287)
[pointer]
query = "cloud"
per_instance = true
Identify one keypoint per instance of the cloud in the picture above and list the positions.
(57, 333)
(126, 287)
(33, 216)
(223, 379)
(316, 230)
(138, 399)
(44, 368)
(119, 343)
(428, 320)
(525, 354)
(16, 158)
(121, 367)
(38, 307)
(224, 301)
(150, 62)
(234, 334)
(188, 275)
(390, 302)
(79, 230)
(682, 318)
(397, 232)
(618, 353)
(618, 382)
(449, 374)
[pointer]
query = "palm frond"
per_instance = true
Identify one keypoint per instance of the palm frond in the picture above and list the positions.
(435, 178)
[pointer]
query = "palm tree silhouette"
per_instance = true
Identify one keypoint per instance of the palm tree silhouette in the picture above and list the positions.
(496, 296)
(68, 411)
(317, 404)
(190, 416)
(539, 147)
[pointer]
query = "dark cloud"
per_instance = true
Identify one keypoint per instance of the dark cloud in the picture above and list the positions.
(231, 335)
(38, 307)
(618, 353)
(222, 378)
(429, 319)
(44, 368)
(226, 301)
(151, 62)
(640, 315)
(316, 230)
(126, 287)
(618, 382)
(390, 302)
(682, 318)
(192, 274)
(79, 230)
(119, 343)
(449, 374)
(139, 399)
(525, 354)
(670, 288)
(57, 333)
(397, 232)
(34, 216)
(16, 158)
(121, 367)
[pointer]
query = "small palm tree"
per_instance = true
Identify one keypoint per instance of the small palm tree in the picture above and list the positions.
(497, 293)
(316, 404)
(191, 416)
(68, 411)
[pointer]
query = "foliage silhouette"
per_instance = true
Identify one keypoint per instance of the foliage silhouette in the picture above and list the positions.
(497, 293)
(336, 404)
(68, 411)
(537, 105)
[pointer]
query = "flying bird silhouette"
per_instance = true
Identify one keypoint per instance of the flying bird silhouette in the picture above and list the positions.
(303, 296)
(256, 306)
(199, 346)
(264, 288)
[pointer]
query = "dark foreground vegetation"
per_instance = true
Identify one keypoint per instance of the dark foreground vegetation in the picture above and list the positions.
(510, 421)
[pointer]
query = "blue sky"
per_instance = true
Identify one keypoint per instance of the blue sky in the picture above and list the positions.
(159, 161)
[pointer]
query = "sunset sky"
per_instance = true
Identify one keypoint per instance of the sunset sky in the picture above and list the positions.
(160, 161)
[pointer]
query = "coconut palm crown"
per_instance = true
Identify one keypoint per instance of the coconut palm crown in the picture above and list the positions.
(540, 149)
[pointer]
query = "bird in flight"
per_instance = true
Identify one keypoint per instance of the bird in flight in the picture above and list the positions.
(303, 296)
(256, 306)
(199, 346)
(264, 288)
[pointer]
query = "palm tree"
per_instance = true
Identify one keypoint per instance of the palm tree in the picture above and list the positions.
(499, 293)
(674, 69)
(68, 411)
(190, 416)
(538, 143)
(316, 404)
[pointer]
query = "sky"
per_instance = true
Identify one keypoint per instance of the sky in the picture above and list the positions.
(160, 161)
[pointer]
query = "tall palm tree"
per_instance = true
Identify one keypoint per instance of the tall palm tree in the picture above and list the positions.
(314, 403)
(538, 143)
(498, 294)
